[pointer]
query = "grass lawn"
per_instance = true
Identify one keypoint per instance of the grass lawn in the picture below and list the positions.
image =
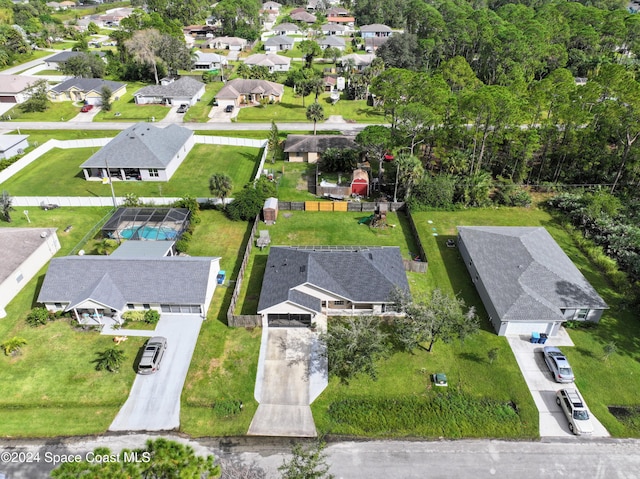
(200, 111)
(55, 389)
(291, 109)
(41, 136)
(27, 57)
(292, 180)
(128, 109)
(65, 45)
(47, 72)
(225, 360)
(58, 111)
(595, 376)
(191, 178)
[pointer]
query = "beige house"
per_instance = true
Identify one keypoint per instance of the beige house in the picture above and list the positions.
(87, 90)
(309, 148)
(24, 252)
(239, 91)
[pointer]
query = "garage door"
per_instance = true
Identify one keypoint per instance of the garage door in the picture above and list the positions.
(7, 99)
(515, 327)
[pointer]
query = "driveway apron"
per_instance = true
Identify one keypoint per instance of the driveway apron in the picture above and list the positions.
(154, 400)
(291, 374)
(553, 422)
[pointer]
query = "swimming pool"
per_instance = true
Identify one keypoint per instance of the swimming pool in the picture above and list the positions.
(149, 233)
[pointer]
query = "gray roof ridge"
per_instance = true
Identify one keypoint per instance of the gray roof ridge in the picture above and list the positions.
(92, 292)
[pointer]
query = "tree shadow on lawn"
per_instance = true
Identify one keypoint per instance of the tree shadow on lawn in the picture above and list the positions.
(472, 357)
(254, 284)
(410, 239)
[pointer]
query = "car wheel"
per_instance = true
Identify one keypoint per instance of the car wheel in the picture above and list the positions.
(571, 428)
(557, 400)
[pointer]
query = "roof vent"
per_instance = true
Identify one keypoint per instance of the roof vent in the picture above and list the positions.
(370, 256)
(44, 234)
(303, 268)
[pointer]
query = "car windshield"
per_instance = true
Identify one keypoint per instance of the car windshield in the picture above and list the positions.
(565, 371)
(581, 415)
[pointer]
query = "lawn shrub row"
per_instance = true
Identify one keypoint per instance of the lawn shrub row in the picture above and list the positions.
(451, 413)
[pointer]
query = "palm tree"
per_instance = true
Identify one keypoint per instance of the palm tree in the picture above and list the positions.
(6, 206)
(315, 113)
(220, 186)
(13, 345)
(110, 359)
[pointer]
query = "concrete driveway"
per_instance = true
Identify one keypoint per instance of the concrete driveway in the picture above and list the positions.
(173, 116)
(154, 400)
(553, 422)
(87, 117)
(292, 372)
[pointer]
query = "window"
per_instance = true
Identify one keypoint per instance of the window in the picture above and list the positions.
(339, 303)
(146, 306)
(58, 305)
(153, 173)
(130, 306)
(582, 314)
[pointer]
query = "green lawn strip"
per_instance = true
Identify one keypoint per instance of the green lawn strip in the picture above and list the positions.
(63, 45)
(594, 375)
(200, 111)
(292, 109)
(125, 109)
(224, 363)
(26, 57)
(58, 173)
(48, 72)
(58, 111)
(38, 137)
(78, 420)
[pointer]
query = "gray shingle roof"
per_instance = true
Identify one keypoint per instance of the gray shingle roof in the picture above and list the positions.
(360, 274)
(182, 87)
(115, 282)
(141, 146)
(286, 27)
(87, 85)
(17, 244)
(332, 42)
(234, 88)
(526, 273)
(267, 59)
(279, 40)
(317, 143)
(64, 56)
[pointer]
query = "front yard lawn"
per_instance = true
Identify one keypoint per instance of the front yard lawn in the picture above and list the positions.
(200, 111)
(125, 109)
(291, 109)
(58, 173)
(58, 111)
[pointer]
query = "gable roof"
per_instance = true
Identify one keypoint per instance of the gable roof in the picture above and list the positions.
(64, 56)
(289, 27)
(526, 273)
(235, 41)
(317, 143)
(332, 41)
(203, 57)
(279, 40)
(114, 282)
(141, 146)
(359, 274)
(234, 88)
(16, 83)
(9, 141)
(267, 59)
(303, 17)
(87, 85)
(18, 244)
(333, 27)
(375, 27)
(182, 87)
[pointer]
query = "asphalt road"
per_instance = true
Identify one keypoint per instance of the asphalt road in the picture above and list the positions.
(468, 459)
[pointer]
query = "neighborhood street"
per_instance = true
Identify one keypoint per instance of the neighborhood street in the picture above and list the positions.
(465, 459)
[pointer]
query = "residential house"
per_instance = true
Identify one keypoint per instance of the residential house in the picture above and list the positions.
(332, 42)
(278, 43)
(357, 61)
(53, 5)
(525, 280)
(60, 58)
(96, 287)
(200, 31)
(303, 16)
(87, 90)
(239, 91)
(309, 148)
(338, 20)
(209, 61)
(337, 12)
(141, 152)
(12, 145)
(173, 92)
(302, 285)
(15, 88)
(234, 44)
(375, 30)
(287, 29)
(371, 44)
(275, 63)
(272, 6)
(24, 252)
(333, 29)
(67, 4)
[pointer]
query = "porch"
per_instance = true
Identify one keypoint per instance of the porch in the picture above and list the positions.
(96, 316)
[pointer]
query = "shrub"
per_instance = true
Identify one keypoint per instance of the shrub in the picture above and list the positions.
(38, 317)
(245, 206)
(13, 346)
(151, 316)
(182, 246)
(134, 316)
(227, 407)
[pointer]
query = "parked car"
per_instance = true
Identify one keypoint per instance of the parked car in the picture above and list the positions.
(86, 108)
(152, 355)
(228, 108)
(183, 108)
(558, 365)
(576, 411)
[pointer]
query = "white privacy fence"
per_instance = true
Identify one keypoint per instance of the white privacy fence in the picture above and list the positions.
(40, 201)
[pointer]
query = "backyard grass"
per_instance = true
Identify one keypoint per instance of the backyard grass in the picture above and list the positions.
(38, 137)
(58, 111)
(594, 375)
(199, 112)
(129, 111)
(239, 163)
(55, 389)
(291, 109)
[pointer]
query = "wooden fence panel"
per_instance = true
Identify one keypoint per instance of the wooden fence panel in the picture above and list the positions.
(340, 206)
(311, 205)
(325, 206)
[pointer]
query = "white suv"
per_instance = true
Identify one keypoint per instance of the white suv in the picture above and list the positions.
(576, 411)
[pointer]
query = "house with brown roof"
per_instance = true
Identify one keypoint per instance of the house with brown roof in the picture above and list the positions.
(309, 148)
(239, 91)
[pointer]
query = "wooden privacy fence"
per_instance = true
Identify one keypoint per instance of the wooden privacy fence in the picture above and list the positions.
(243, 320)
(416, 236)
(351, 206)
